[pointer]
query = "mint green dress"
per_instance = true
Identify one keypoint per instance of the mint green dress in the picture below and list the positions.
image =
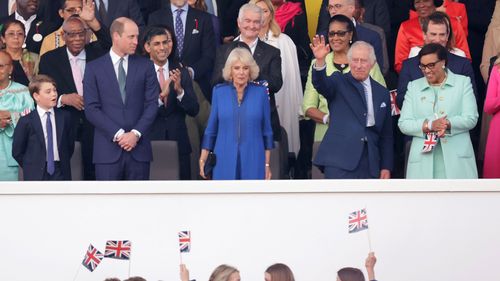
(17, 100)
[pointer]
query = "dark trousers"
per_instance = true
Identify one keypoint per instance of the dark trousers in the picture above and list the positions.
(57, 176)
(361, 172)
(126, 168)
(85, 135)
(185, 166)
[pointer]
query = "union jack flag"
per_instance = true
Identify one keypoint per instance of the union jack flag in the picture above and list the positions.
(92, 258)
(118, 249)
(358, 220)
(185, 241)
(394, 106)
(431, 140)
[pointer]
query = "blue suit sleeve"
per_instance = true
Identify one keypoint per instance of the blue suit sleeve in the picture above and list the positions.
(324, 84)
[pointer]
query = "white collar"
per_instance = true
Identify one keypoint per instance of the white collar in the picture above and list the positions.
(175, 8)
(165, 67)
(80, 56)
(41, 111)
(21, 19)
(115, 58)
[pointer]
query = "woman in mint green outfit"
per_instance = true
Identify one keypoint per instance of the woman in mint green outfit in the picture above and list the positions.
(15, 101)
(341, 35)
(441, 103)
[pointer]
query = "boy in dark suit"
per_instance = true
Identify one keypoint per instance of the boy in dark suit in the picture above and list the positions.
(43, 142)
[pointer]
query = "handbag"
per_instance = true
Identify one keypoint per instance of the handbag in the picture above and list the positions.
(210, 164)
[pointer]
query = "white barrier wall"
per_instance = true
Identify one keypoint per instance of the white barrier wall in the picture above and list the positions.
(420, 231)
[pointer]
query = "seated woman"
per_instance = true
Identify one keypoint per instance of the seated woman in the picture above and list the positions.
(439, 110)
(15, 100)
(341, 35)
(25, 63)
(239, 127)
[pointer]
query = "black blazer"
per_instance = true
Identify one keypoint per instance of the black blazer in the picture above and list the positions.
(28, 145)
(121, 8)
(268, 59)
(170, 121)
(44, 28)
(56, 64)
(199, 46)
(4, 8)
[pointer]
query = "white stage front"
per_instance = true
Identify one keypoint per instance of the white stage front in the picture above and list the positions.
(419, 230)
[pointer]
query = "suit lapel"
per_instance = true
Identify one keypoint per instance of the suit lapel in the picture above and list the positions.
(66, 70)
(130, 75)
(109, 71)
(36, 122)
(59, 127)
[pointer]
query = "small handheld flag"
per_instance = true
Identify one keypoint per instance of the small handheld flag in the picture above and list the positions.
(394, 106)
(185, 241)
(118, 249)
(431, 140)
(92, 258)
(358, 221)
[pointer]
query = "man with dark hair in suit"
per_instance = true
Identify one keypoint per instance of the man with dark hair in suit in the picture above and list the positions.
(194, 33)
(67, 65)
(359, 142)
(35, 27)
(177, 97)
(121, 101)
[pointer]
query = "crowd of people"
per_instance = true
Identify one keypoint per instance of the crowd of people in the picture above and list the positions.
(275, 272)
(384, 89)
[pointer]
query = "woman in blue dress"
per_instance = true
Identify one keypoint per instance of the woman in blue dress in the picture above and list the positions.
(15, 100)
(239, 127)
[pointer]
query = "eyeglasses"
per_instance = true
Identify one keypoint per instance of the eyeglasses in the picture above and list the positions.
(76, 34)
(2, 66)
(429, 66)
(73, 11)
(340, 33)
(335, 7)
(14, 34)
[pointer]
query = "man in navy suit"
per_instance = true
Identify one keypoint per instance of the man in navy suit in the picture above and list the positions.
(67, 65)
(121, 101)
(347, 8)
(195, 35)
(177, 97)
(359, 141)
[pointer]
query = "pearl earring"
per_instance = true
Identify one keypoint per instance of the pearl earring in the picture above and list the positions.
(443, 66)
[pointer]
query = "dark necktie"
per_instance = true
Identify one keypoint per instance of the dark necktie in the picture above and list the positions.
(179, 31)
(102, 11)
(122, 78)
(50, 146)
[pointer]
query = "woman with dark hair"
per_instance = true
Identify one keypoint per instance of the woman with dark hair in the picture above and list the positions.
(439, 110)
(410, 32)
(341, 35)
(354, 274)
(279, 272)
(25, 63)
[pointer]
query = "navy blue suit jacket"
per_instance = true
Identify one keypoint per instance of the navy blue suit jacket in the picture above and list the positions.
(105, 109)
(343, 144)
(410, 72)
(121, 8)
(28, 145)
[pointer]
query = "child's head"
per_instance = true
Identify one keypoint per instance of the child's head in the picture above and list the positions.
(43, 90)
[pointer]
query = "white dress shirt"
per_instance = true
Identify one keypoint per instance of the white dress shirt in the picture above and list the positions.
(370, 119)
(43, 117)
(252, 46)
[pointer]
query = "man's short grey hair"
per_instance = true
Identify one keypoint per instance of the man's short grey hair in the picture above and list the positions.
(245, 57)
(249, 7)
(73, 18)
(367, 46)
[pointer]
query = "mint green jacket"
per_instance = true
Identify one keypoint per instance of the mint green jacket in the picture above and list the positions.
(455, 100)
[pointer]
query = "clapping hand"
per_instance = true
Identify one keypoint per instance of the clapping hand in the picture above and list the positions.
(320, 49)
(175, 76)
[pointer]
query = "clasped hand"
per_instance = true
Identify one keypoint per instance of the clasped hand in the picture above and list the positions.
(440, 126)
(127, 141)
